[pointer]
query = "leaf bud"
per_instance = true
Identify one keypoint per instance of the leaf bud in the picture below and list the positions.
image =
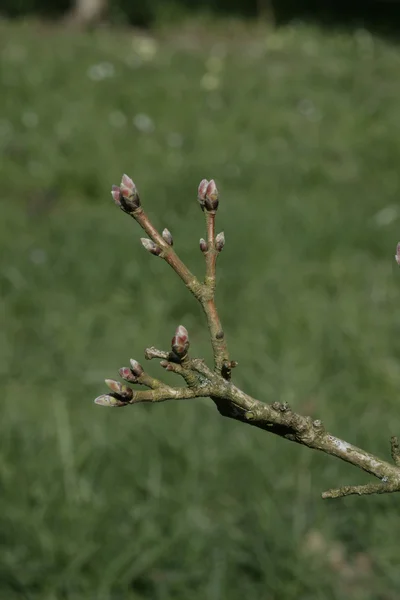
(180, 342)
(203, 245)
(211, 201)
(136, 367)
(168, 237)
(220, 241)
(151, 246)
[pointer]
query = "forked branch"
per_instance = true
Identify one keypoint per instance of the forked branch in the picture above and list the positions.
(201, 381)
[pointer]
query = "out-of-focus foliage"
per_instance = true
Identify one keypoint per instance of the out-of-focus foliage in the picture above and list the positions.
(302, 134)
(138, 13)
(382, 14)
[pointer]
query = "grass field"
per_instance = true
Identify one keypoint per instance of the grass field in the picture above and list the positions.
(301, 130)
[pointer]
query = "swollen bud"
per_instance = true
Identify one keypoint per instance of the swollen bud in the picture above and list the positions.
(201, 192)
(116, 194)
(211, 201)
(167, 237)
(119, 388)
(136, 368)
(127, 374)
(106, 400)
(129, 195)
(397, 257)
(203, 245)
(180, 342)
(151, 246)
(220, 241)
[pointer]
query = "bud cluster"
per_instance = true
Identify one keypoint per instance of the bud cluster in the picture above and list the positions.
(207, 195)
(131, 374)
(126, 195)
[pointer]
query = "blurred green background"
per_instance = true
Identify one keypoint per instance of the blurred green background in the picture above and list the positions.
(301, 130)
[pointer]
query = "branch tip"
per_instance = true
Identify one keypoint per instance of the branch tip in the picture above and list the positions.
(385, 487)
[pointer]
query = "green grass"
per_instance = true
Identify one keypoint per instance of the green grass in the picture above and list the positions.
(301, 130)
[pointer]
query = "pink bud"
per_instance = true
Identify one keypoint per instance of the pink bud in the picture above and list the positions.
(127, 374)
(128, 188)
(180, 342)
(151, 246)
(130, 200)
(397, 257)
(113, 385)
(136, 367)
(203, 245)
(220, 241)
(201, 192)
(211, 201)
(211, 191)
(116, 194)
(167, 237)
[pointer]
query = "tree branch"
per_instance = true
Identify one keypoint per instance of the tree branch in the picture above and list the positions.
(201, 381)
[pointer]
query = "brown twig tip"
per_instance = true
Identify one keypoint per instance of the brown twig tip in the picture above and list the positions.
(385, 487)
(180, 342)
(397, 256)
(166, 365)
(220, 241)
(203, 245)
(151, 247)
(152, 352)
(167, 235)
(136, 367)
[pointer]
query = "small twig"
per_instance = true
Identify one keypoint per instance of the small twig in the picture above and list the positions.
(208, 198)
(362, 490)
(168, 253)
(201, 381)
